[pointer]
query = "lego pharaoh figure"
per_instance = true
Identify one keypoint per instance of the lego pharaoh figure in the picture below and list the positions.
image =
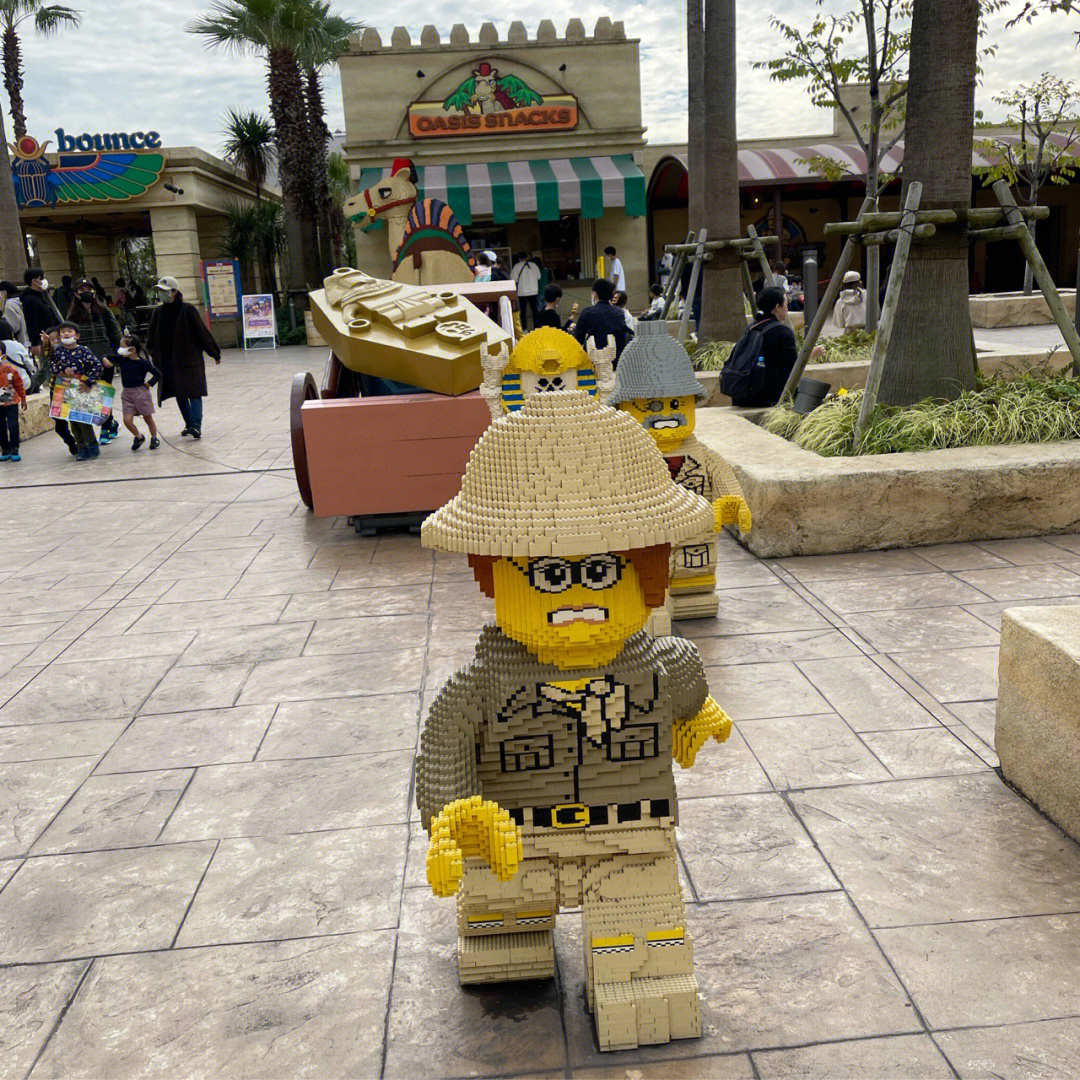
(545, 769)
(656, 385)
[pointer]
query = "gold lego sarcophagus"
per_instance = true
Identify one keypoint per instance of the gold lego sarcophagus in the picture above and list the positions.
(428, 337)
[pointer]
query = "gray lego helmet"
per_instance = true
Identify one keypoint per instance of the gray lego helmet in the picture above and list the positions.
(654, 365)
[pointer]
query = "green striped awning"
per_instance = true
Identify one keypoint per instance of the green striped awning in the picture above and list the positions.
(546, 187)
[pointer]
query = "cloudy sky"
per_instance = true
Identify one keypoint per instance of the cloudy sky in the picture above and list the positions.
(131, 66)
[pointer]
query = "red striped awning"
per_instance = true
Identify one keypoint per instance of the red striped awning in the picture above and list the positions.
(777, 164)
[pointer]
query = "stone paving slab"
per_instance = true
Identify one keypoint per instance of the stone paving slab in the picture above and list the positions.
(210, 864)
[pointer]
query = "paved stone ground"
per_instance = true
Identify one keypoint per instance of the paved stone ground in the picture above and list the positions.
(209, 865)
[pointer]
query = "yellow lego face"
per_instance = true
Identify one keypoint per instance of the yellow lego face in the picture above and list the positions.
(668, 420)
(544, 361)
(573, 613)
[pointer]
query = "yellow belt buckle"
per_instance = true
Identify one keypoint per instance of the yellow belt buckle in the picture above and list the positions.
(581, 815)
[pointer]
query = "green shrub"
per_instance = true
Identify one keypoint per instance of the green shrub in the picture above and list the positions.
(854, 345)
(1025, 409)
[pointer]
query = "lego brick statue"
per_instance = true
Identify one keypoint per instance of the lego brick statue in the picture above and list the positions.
(545, 769)
(427, 243)
(548, 359)
(656, 385)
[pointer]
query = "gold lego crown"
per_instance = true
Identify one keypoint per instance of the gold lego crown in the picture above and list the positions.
(565, 476)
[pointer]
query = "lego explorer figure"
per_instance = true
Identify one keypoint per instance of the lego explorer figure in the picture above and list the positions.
(544, 775)
(656, 385)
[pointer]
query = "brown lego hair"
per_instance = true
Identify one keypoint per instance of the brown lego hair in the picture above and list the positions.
(651, 564)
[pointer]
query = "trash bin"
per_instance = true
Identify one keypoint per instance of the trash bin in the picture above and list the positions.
(810, 394)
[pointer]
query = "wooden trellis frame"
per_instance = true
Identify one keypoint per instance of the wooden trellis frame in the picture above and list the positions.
(911, 225)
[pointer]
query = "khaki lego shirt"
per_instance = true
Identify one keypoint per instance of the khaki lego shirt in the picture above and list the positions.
(530, 735)
(702, 471)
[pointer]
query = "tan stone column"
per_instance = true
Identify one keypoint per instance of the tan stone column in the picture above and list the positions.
(176, 246)
(52, 253)
(99, 259)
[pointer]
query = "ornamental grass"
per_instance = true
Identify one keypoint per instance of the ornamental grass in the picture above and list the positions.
(1025, 409)
(852, 346)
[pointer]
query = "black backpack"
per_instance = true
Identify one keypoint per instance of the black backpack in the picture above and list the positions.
(743, 376)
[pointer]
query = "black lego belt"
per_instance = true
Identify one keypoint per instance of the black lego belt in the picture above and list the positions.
(578, 815)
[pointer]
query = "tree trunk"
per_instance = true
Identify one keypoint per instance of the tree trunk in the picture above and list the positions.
(722, 313)
(13, 80)
(695, 109)
(290, 127)
(320, 188)
(12, 243)
(873, 253)
(930, 353)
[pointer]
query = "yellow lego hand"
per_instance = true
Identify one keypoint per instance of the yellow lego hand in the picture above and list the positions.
(732, 510)
(471, 828)
(689, 736)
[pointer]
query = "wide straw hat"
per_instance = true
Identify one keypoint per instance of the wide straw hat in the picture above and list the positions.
(565, 476)
(654, 365)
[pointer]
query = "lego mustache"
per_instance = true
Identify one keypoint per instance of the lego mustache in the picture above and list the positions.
(565, 615)
(663, 423)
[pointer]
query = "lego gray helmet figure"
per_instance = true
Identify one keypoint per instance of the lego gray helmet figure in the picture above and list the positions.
(654, 365)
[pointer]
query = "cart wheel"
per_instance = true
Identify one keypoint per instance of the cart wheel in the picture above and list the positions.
(303, 389)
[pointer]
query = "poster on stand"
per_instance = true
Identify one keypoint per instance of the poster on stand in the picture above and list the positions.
(78, 403)
(221, 278)
(260, 325)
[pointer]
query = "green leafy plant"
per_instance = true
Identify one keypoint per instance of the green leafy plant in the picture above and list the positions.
(1028, 408)
(851, 346)
(710, 355)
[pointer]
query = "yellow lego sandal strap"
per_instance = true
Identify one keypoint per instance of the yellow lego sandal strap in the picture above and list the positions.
(471, 828)
(689, 736)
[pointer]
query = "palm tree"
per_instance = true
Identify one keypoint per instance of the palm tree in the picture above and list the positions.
(249, 146)
(337, 169)
(711, 44)
(255, 232)
(323, 47)
(278, 30)
(48, 19)
(930, 351)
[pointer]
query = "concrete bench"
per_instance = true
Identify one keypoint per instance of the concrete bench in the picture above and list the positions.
(1037, 735)
(36, 418)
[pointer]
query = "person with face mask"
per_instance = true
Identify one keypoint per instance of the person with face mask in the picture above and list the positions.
(71, 360)
(38, 308)
(177, 339)
(100, 334)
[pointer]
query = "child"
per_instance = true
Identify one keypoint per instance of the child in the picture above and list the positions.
(71, 360)
(135, 364)
(656, 303)
(550, 315)
(49, 340)
(621, 300)
(12, 398)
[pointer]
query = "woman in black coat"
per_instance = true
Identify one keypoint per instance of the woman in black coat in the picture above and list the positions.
(177, 339)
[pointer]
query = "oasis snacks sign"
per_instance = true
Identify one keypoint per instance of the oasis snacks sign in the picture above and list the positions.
(489, 103)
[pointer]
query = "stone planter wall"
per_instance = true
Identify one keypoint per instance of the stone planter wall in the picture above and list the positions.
(36, 418)
(1015, 309)
(804, 504)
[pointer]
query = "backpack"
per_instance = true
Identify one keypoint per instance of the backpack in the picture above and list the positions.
(743, 376)
(25, 364)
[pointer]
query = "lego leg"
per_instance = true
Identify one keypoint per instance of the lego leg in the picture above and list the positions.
(505, 928)
(639, 960)
(693, 580)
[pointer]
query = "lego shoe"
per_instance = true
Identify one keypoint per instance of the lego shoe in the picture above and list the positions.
(137, 441)
(155, 442)
(15, 457)
(647, 1012)
(506, 957)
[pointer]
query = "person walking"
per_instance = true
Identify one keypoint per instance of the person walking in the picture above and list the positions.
(135, 365)
(12, 311)
(177, 340)
(64, 294)
(618, 274)
(71, 360)
(12, 399)
(99, 332)
(39, 311)
(603, 319)
(526, 276)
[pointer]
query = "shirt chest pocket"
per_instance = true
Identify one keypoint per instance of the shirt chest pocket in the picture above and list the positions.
(526, 753)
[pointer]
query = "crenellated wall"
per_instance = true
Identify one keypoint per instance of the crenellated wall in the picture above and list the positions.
(380, 81)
